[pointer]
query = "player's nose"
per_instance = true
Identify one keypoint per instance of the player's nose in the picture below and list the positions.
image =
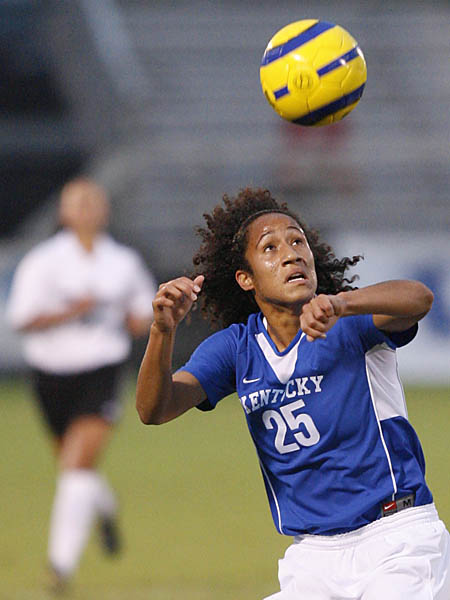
(290, 254)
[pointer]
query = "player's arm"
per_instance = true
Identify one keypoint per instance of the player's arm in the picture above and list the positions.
(75, 310)
(161, 396)
(396, 306)
(31, 293)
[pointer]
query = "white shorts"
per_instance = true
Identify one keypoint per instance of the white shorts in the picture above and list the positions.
(405, 556)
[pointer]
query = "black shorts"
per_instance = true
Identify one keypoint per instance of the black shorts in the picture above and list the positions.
(63, 398)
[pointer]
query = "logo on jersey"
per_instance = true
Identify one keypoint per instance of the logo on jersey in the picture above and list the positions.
(390, 508)
(295, 388)
(245, 380)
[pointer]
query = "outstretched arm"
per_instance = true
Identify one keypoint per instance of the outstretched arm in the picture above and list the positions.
(160, 397)
(396, 306)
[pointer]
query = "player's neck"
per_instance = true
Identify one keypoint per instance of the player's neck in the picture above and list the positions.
(86, 239)
(282, 327)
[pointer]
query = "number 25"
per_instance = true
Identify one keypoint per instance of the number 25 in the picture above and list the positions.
(293, 421)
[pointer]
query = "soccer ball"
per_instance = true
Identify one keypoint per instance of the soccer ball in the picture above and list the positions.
(313, 72)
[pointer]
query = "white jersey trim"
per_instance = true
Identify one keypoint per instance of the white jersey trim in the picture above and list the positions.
(280, 526)
(381, 363)
(283, 366)
(379, 368)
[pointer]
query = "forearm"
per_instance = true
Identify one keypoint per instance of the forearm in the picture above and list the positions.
(53, 319)
(154, 384)
(160, 397)
(396, 305)
(43, 322)
(396, 298)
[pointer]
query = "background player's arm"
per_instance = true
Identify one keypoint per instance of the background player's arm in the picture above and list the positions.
(75, 310)
(160, 397)
(396, 306)
(30, 300)
(138, 326)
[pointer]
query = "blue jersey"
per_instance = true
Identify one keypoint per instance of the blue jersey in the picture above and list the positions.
(328, 419)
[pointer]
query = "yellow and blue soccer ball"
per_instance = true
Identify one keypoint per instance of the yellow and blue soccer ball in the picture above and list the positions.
(313, 72)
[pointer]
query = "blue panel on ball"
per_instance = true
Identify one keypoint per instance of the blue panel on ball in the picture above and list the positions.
(295, 42)
(281, 92)
(317, 115)
(339, 62)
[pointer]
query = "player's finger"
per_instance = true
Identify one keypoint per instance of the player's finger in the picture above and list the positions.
(198, 283)
(310, 317)
(319, 314)
(311, 338)
(325, 303)
(163, 302)
(312, 312)
(321, 308)
(179, 281)
(189, 286)
(314, 334)
(179, 289)
(318, 326)
(314, 326)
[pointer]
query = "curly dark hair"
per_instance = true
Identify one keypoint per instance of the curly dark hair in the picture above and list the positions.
(222, 253)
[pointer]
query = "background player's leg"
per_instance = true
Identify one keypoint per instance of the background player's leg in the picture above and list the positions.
(81, 493)
(83, 442)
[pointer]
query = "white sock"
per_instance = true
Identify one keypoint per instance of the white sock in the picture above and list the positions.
(81, 494)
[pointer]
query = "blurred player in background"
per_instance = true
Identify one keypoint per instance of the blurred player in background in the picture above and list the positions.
(313, 362)
(77, 298)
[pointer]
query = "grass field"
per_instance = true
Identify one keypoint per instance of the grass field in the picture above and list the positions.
(194, 513)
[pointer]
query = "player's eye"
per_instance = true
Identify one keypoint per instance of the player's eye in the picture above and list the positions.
(298, 242)
(268, 248)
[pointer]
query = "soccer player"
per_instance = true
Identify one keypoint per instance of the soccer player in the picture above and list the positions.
(313, 361)
(77, 298)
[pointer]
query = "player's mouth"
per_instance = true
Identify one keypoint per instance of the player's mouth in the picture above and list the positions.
(297, 276)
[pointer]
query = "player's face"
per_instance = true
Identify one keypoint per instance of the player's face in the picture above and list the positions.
(281, 263)
(84, 207)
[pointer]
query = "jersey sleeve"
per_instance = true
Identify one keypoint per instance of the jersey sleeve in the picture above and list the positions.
(28, 296)
(365, 335)
(401, 338)
(213, 364)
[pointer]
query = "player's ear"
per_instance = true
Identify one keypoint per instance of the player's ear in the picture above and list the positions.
(244, 280)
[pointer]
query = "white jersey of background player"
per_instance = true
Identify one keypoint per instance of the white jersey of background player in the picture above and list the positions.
(313, 362)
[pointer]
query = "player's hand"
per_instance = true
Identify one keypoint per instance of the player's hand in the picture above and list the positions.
(81, 307)
(174, 300)
(319, 315)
